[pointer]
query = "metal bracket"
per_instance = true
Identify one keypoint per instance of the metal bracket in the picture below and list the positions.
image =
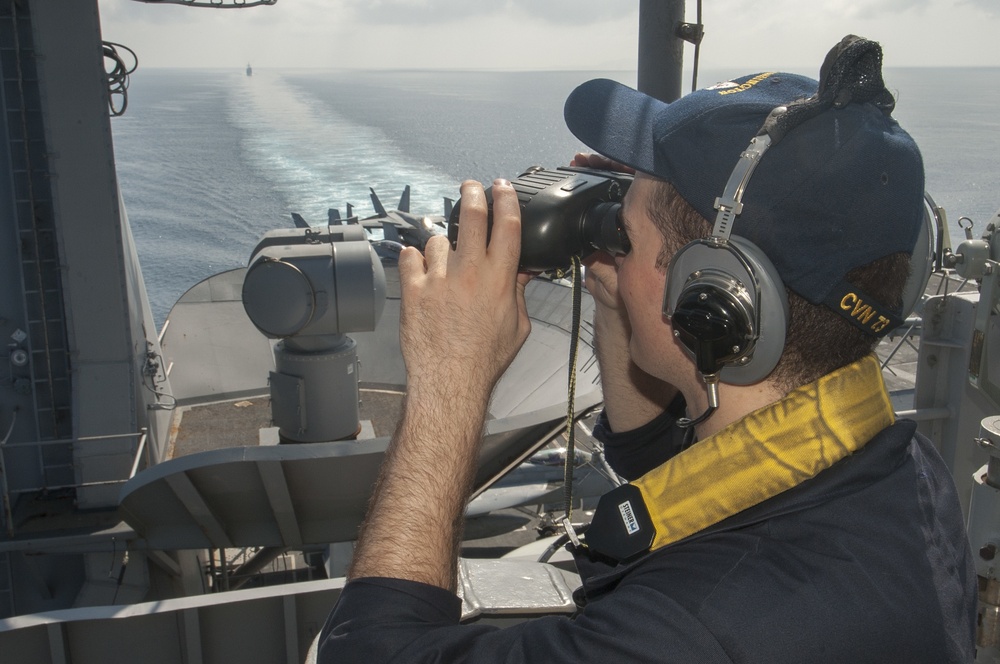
(692, 33)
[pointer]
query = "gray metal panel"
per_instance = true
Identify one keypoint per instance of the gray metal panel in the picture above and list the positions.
(152, 388)
(272, 476)
(107, 316)
(217, 353)
(214, 349)
(275, 624)
(287, 407)
(30, 285)
(539, 374)
(327, 483)
(84, 184)
(943, 382)
(103, 586)
(272, 624)
(378, 351)
(293, 495)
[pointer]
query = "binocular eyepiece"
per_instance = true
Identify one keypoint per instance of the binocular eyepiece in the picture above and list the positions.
(565, 212)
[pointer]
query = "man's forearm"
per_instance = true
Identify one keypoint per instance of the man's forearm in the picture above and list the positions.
(462, 320)
(415, 520)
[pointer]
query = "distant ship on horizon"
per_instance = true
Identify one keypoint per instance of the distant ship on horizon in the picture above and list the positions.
(249, 70)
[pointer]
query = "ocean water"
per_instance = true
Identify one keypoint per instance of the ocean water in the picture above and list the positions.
(210, 160)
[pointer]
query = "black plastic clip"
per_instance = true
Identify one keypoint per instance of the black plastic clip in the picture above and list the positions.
(621, 528)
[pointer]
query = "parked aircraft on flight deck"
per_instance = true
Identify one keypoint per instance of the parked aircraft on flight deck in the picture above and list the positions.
(399, 227)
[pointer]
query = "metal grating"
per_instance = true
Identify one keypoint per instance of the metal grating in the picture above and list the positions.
(34, 212)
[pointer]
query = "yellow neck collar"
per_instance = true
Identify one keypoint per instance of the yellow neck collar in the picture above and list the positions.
(767, 452)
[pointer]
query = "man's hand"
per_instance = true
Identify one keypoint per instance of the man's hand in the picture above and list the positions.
(602, 281)
(611, 324)
(462, 321)
(463, 316)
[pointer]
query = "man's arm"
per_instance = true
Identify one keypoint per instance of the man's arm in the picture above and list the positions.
(462, 321)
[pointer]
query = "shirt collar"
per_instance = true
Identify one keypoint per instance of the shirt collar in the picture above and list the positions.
(767, 452)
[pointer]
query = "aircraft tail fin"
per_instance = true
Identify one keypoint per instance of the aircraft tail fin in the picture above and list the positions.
(449, 204)
(377, 204)
(333, 217)
(404, 200)
(299, 221)
(390, 232)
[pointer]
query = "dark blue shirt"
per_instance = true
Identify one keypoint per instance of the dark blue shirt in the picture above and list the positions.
(866, 562)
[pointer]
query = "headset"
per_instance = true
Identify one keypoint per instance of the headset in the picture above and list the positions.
(724, 297)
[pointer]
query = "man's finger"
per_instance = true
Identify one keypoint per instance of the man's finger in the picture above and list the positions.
(436, 253)
(411, 261)
(412, 267)
(472, 220)
(505, 240)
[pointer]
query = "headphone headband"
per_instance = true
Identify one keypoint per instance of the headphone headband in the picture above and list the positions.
(730, 204)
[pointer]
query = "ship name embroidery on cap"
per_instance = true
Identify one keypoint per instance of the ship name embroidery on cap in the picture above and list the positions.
(864, 312)
(743, 87)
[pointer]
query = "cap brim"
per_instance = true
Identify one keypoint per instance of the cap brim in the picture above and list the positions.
(614, 120)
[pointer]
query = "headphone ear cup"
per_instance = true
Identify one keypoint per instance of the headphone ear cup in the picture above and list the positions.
(728, 306)
(713, 324)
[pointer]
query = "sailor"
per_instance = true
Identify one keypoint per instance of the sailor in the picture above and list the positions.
(783, 513)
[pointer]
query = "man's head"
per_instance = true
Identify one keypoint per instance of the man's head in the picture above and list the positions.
(842, 189)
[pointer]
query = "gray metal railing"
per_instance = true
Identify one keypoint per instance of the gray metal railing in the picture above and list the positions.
(6, 492)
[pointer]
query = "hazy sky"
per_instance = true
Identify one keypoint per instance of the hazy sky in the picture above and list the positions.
(544, 34)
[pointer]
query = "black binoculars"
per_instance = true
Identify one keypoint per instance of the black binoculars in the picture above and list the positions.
(565, 212)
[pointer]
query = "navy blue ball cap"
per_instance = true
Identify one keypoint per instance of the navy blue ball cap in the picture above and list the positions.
(838, 191)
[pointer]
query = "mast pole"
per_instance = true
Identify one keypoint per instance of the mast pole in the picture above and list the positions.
(661, 48)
